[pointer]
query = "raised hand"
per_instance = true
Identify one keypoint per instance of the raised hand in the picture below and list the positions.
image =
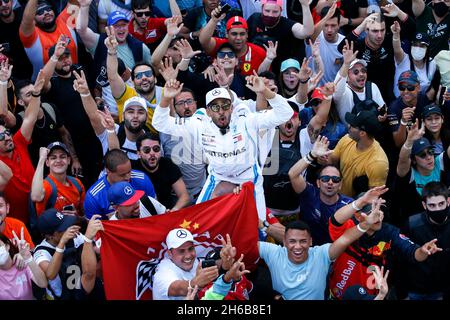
(94, 226)
(205, 276)
(314, 81)
(227, 253)
(220, 77)
(328, 88)
(305, 72)
(375, 215)
(415, 132)
(60, 47)
(255, 83)
(22, 244)
(430, 248)
(209, 73)
(106, 119)
(315, 48)
(111, 41)
(84, 3)
(80, 84)
(174, 25)
(381, 280)
(347, 53)
(43, 152)
(5, 71)
(320, 147)
(216, 16)
(71, 233)
(236, 271)
(330, 12)
(390, 10)
(166, 69)
(372, 195)
(172, 88)
(192, 292)
(39, 83)
(271, 50)
(185, 49)
(372, 18)
(395, 28)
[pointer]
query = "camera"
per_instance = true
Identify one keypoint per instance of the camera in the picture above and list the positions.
(208, 263)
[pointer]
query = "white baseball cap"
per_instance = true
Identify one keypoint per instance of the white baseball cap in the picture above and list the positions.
(135, 101)
(178, 237)
(356, 61)
(216, 94)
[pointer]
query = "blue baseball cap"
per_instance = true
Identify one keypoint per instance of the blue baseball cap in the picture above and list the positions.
(419, 145)
(409, 77)
(289, 63)
(123, 194)
(115, 17)
(57, 145)
(52, 220)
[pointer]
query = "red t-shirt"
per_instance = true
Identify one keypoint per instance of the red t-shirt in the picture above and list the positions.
(155, 30)
(17, 191)
(17, 225)
(250, 61)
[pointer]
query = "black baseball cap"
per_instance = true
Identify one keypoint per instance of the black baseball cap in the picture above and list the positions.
(57, 145)
(419, 145)
(51, 51)
(422, 37)
(52, 220)
(364, 120)
(431, 109)
(357, 292)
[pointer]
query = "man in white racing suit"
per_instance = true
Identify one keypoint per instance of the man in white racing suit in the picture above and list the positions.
(228, 134)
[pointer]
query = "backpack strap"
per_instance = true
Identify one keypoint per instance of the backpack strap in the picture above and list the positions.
(148, 205)
(76, 184)
(368, 90)
(52, 199)
(47, 107)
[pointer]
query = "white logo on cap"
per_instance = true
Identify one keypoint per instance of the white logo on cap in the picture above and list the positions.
(59, 215)
(216, 92)
(181, 234)
(362, 291)
(128, 190)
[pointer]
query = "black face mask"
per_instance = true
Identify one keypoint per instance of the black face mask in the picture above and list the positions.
(440, 9)
(438, 216)
(269, 21)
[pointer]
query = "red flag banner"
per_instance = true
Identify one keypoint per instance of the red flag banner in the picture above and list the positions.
(131, 249)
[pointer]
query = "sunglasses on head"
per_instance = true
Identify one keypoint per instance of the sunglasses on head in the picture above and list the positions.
(408, 87)
(147, 150)
(183, 102)
(425, 154)
(43, 10)
(223, 54)
(143, 13)
(325, 179)
(357, 71)
(4, 134)
(147, 73)
(217, 107)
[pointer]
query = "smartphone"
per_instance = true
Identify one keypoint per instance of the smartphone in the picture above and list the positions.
(6, 47)
(208, 263)
(69, 207)
(382, 110)
(224, 9)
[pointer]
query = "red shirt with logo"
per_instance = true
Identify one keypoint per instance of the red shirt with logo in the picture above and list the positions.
(250, 61)
(156, 29)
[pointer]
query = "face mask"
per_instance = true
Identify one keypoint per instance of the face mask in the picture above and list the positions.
(4, 255)
(440, 9)
(438, 216)
(418, 53)
(269, 21)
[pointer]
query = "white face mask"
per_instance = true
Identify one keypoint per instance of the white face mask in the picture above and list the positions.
(418, 53)
(4, 255)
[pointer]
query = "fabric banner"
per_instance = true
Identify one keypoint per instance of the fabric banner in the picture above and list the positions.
(131, 249)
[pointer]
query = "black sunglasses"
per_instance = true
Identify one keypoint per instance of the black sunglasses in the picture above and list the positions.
(5, 1)
(325, 179)
(426, 153)
(143, 13)
(217, 107)
(147, 73)
(3, 134)
(409, 88)
(147, 150)
(357, 71)
(223, 54)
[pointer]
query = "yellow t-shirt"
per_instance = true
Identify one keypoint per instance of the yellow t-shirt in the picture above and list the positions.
(372, 163)
(129, 93)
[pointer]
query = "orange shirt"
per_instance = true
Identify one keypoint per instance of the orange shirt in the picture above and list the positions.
(17, 225)
(17, 191)
(66, 195)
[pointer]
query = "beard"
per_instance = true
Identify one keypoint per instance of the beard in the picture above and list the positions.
(46, 25)
(7, 14)
(132, 129)
(63, 71)
(142, 91)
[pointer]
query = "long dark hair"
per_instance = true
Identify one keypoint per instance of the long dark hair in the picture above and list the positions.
(12, 248)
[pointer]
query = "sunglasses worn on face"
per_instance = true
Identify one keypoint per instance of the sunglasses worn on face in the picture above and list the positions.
(143, 13)
(325, 179)
(4, 134)
(147, 73)
(357, 71)
(217, 107)
(147, 150)
(409, 88)
(229, 54)
(43, 10)
(183, 102)
(5, 1)
(425, 153)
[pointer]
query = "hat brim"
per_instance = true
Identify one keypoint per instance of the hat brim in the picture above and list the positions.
(135, 198)
(60, 148)
(418, 151)
(350, 118)
(68, 221)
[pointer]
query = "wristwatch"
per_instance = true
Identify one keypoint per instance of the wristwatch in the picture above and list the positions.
(266, 225)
